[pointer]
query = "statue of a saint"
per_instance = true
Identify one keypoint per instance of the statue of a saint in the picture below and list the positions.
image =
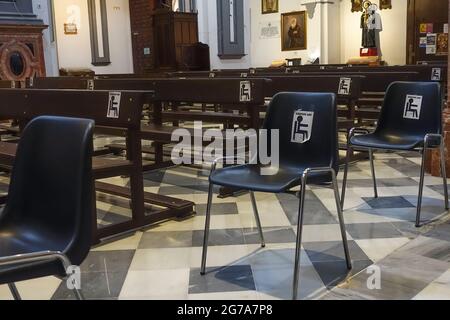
(370, 23)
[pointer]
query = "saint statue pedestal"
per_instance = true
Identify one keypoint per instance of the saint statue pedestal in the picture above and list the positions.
(368, 52)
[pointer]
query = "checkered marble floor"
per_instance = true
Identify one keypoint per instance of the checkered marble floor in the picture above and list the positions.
(163, 262)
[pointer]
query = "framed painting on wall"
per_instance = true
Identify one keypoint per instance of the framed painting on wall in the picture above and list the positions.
(293, 31)
(357, 5)
(269, 6)
(385, 4)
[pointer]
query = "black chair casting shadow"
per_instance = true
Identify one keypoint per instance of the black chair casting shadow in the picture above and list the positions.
(410, 120)
(308, 154)
(46, 225)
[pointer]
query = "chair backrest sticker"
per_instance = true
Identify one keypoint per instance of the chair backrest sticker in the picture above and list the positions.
(302, 126)
(212, 75)
(413, 107)
(245, 92)
(31, 82)
(436, 74)
(114, 105)
(244, 75)
(345, 85)
(90, 84)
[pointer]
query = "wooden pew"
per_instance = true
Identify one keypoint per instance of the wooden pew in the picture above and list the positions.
(30, 103)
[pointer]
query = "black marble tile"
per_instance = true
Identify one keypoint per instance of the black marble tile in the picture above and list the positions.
(95, 285)
(109, 218)
(108, 261)
(333, 251)
(333, 273)
(223, 237)
(166, 239)
(188, 189)
(276, 281)
(388, 202)
(315, 211)
(228, 279)
(407, 167)
(217, 209)
(430, 247)
(373, 231)
(441, 232)
(271, 235)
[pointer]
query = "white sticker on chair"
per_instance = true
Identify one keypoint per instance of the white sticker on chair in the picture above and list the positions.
(345, 86)
(114, 105)
(436, 74)
(302, 126)
(413, 107)
(245, 91)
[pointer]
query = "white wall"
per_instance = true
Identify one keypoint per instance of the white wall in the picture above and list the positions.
(393, 36)
(207, 12)
(41, 9)
(74, 51)
(264, 51)
(334, 33)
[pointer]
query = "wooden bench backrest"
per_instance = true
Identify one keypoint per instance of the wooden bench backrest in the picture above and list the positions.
(7, 84)
(221, 91)
(59, 83)
(202, 90)
(315, 84)
(27, 104)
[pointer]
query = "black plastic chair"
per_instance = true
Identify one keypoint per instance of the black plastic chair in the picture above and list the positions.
(313, 161)
(410, 120)
(46, 225)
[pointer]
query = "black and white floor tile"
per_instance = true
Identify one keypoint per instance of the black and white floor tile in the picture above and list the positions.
(163, 262)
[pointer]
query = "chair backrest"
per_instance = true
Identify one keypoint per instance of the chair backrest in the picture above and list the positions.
(411, 109)
(52, 186)
(307, 124)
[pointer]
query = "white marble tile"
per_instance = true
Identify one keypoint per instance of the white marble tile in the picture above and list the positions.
(161, 258)
(35, 289)
(238, 295)
(219, 256)
(323, 232)
(129, 243)
(377, 249)
(156, 284)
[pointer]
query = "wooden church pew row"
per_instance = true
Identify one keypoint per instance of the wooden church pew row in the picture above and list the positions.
(188, 94)
(94, 105)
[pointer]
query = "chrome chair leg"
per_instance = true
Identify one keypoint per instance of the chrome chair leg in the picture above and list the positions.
(78, 294)
(421, 183)
(301, 209)
(341, 222)
(258, 220)
(15, 293)
(207, 225)
(372, 167)
(344, 181)
(444, 174)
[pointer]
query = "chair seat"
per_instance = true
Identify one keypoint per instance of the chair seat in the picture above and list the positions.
(387, 142)
(21, 240)
(249, 177)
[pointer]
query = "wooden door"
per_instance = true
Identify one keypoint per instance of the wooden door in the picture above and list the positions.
(430, 14)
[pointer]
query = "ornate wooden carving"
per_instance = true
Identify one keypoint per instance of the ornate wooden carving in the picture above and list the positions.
(21, 52)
